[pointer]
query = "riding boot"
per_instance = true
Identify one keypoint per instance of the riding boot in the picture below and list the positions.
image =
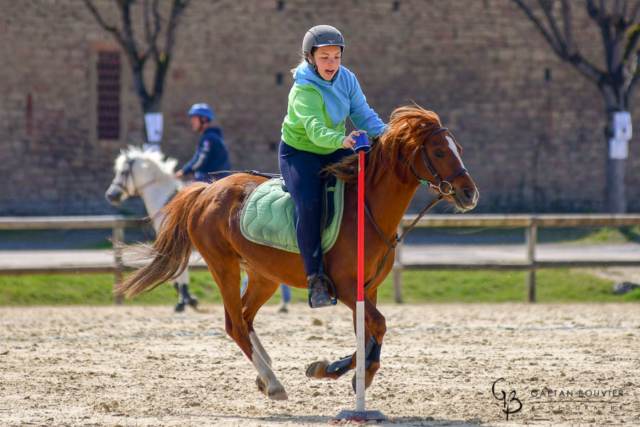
(180, 306)
(188, 298)
(184, 298)
(318, 295)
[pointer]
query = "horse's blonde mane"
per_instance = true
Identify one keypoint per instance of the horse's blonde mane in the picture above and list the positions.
(166, 167)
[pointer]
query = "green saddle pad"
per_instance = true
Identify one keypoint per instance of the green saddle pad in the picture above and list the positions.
(267, 216)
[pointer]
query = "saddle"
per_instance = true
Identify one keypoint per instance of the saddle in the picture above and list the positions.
(268, 214)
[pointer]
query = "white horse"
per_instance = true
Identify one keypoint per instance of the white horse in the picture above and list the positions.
(147, 174)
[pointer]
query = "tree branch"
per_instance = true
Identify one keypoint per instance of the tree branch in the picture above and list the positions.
(574, 57)
(151, 37)
(568, 27)
(130, 42)
(632, 43)
(163, 60)
(587, 69)
(597, 14)
(547, 7)
(177, 8)
(111, 28)
(540, 27)
(618, 8)
(635, 14)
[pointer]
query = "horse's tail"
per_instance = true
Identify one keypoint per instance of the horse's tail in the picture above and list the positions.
(171, 250)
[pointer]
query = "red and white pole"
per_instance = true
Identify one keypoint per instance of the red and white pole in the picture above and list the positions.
(360, 349)
(361, 147)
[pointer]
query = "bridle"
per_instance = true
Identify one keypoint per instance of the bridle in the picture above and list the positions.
(441, 187)
(125, 173)
(444, 186)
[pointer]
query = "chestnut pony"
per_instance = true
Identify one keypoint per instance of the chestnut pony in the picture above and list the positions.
(415, 148)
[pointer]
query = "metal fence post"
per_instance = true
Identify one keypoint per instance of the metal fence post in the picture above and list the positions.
(118, 273)
(531, 238)
(397, 271)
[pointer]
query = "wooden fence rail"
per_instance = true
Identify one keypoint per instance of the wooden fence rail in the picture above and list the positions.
(530, 224)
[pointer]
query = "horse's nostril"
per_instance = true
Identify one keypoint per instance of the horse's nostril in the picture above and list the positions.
(467, 193)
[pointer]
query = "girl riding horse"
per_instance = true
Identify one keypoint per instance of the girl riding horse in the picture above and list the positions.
(313, 136)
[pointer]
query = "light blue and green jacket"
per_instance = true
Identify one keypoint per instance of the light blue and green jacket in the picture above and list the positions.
(318, 111)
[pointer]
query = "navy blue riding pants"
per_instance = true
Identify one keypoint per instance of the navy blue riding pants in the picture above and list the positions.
(301, 172)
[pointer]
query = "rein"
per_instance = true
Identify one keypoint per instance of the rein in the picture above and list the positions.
(398, 239)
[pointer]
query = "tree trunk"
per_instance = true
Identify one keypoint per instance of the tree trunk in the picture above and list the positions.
(616, 200)
(616, 192)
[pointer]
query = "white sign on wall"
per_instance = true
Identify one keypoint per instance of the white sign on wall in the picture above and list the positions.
(153, 122)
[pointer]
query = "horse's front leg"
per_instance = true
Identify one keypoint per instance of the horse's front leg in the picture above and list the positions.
(375, 328)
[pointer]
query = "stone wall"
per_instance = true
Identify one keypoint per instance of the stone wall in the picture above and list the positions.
(531, 126)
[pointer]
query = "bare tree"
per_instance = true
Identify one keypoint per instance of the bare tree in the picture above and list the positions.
(619, 26)
(152, 49)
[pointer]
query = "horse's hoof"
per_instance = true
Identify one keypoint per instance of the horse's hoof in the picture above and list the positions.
(368, 379)
(317, 370)
(277, 393)
(179, 307)
(262, 387)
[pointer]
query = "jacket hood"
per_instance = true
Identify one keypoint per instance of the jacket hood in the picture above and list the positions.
(212, 131)
(306, 72)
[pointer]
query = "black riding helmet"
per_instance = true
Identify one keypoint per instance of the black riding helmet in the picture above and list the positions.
(318, 36)
(322, 35)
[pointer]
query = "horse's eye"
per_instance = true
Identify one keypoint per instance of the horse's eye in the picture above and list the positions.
(438, 153)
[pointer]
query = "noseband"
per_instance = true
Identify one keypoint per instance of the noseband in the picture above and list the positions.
(125, 174)
(443, 186)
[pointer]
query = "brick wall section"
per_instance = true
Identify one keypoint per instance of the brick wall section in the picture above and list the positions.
(530, 144)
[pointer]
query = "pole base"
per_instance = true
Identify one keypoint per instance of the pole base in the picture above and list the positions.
(361, 416)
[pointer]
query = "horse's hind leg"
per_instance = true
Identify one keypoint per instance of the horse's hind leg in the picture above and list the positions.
(226, 272)
(259, 290)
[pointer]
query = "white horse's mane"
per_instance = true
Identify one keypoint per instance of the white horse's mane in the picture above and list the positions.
(153, 156)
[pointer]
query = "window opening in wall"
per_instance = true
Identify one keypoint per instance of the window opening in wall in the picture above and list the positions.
(279, 78)
(281, 5)
(108, 95)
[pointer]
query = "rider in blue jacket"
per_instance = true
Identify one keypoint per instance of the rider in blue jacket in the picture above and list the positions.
(211, 154)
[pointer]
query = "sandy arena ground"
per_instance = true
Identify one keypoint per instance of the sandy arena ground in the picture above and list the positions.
(145, 366)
